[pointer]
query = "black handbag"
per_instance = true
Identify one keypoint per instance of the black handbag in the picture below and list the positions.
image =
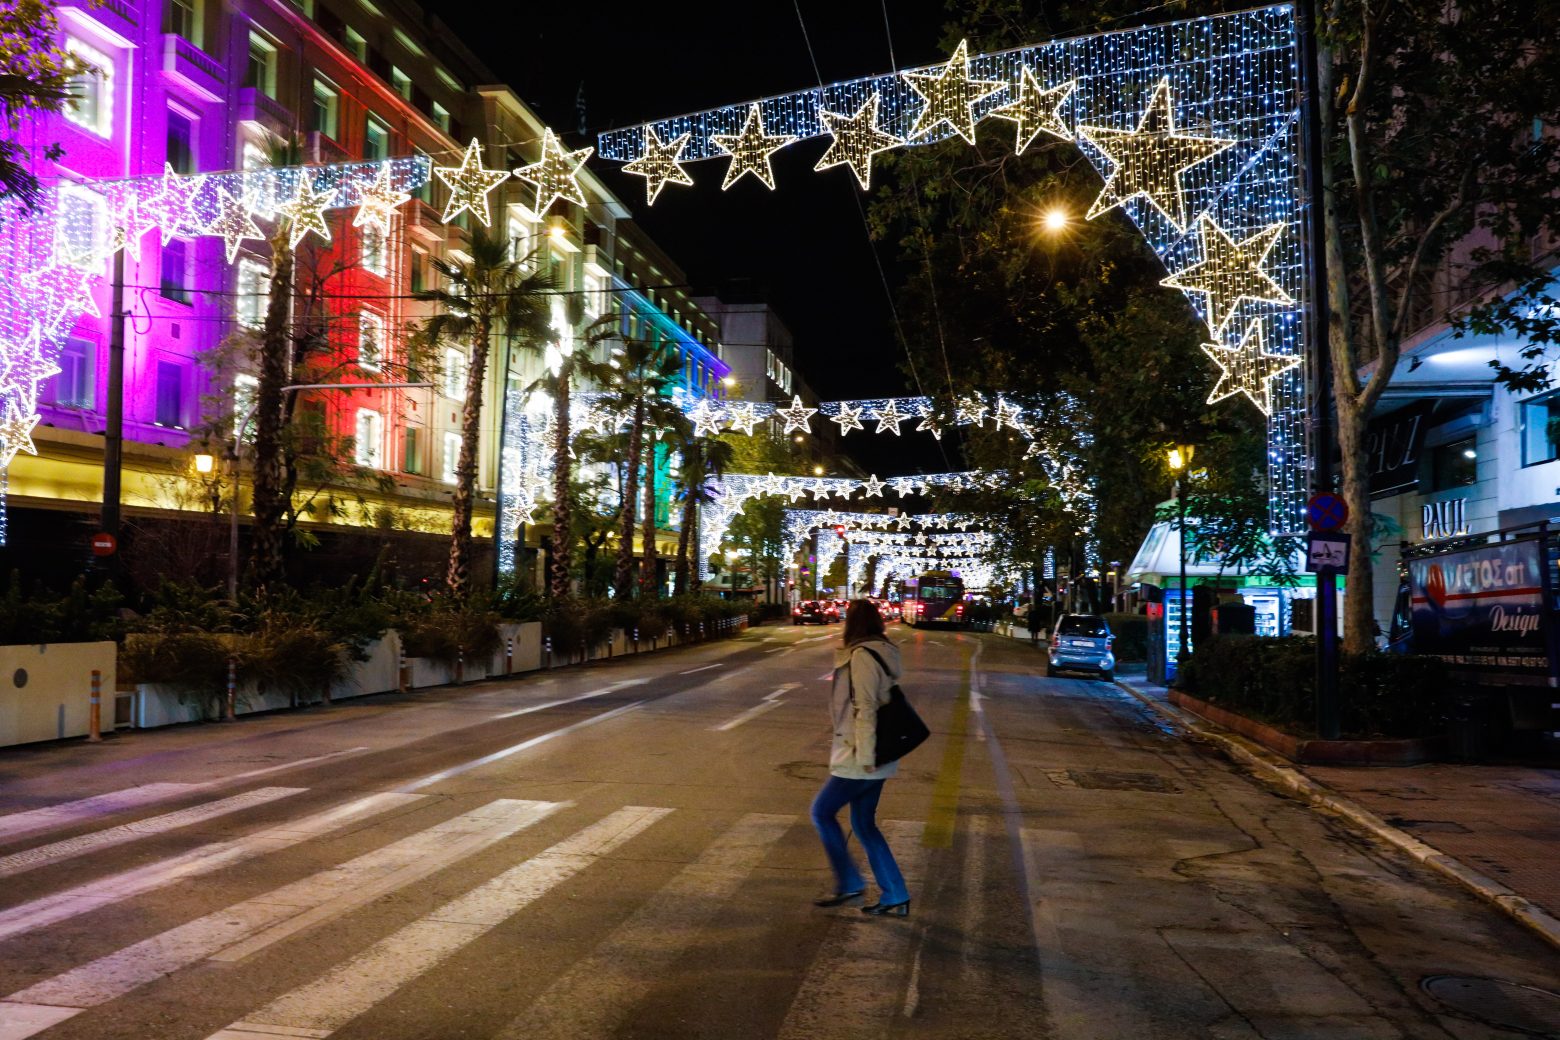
(899, 729)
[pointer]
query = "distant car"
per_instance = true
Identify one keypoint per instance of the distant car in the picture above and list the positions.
(814, 612)
(1082, 643)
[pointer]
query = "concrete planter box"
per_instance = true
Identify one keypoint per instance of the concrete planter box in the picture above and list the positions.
(46, 690)
(375, 675)
(1310, 751)
(426, 671)
(526, 640)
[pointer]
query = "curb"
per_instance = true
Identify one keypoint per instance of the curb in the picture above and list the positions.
(1284, 776)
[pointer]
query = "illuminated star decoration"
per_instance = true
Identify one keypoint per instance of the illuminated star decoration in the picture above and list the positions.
(706, 417)
(849, 418)
(232, 224)
(1037, 109)
(856, 140)
(305, 211)
(1033, 451)
(377, 203)
(659, 164)
(23, 366)
(470, 184)
(1229, 272)
(970, 410)
(169, 207)
(889, 418)
(873, 486)
(951, 96)
(1150, 160)
(796, 416)
(1248, 369)
(556, 174)
(750, 150)
(930, 423)
(743, 417)
(16, 434)
(1009, 415)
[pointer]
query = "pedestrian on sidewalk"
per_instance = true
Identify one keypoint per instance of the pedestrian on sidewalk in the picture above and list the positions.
(865, 668)
(1036, 623)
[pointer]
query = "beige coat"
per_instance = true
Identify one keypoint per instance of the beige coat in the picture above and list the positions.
(860, 687)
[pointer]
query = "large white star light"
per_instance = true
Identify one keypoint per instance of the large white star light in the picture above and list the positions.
(796, 417)
(849, 417)
(470, 183)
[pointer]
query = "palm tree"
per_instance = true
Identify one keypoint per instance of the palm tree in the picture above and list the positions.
(703, 459)
(662, 412)
(647, 372)
(493, 290)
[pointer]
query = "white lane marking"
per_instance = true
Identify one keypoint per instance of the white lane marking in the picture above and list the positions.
(859, 964)
(826, 675)
(16, 824)
(206, 859)
(598, 993)
(296, 763)
(570, 700)
(244, 927)
(70, 848)
(777, 650)
(21, 1021)
(317, 1009)
(769, 703)
(703, 668)
(515, 749)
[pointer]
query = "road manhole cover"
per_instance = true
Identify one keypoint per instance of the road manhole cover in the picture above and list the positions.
(1509, 1004)
(1112, 780)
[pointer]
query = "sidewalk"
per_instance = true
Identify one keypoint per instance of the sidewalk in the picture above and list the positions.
(1493, 829)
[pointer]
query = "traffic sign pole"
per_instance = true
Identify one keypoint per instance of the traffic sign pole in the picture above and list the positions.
(1327, 512)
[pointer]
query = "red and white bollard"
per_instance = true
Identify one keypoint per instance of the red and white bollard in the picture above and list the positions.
(95, 710)
(230, 712)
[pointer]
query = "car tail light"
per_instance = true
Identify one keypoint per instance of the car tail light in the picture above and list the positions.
(959, 609)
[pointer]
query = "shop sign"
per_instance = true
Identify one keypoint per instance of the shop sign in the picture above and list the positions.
(1445, 519)
(1481, 611)
(1392, 448)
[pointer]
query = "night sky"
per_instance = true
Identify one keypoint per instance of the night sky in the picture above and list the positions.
(804, 246)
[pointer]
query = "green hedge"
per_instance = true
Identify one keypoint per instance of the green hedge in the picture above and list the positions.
(1131, 632)
(1274, 681)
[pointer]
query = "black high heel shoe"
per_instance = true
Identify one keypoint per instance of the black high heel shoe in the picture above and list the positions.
(839, 898)
(881, 909)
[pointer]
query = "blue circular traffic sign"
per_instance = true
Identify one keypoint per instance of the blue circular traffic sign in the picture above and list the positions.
(1326, 511)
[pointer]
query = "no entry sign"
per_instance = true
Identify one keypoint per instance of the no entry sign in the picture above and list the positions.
(104, 544)
(1326, 511)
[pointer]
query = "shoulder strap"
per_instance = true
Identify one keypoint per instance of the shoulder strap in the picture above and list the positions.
(876, 658)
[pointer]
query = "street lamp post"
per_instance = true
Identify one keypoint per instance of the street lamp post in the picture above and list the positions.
(1180, 458)
(233, 459)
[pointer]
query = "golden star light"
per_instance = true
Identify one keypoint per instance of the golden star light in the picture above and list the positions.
(750, 150)
(856, 140)
(951, 96)
(1037, 109)
(1229, 272)
(470, 183)
(796, 416)
(233, 224)
(1150, 160)
(888, 419)
(1248, 368)
(305, 211)
(849, 417)
(16, 434)
(743, 417)
(377, 203)
(556, 174)
(659, 164)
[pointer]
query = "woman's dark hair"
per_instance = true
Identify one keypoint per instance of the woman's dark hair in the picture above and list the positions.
(862, 621)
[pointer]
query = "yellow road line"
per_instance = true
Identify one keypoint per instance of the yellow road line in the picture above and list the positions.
(945, 794)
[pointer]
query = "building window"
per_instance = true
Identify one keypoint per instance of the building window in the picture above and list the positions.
(374, 252)
(182, 18)
(260, 73)
(455, 364)
(71, 387)
(371, 341)
(174, 272)
(451, 457)
(401, 83)
(518, 231)
(255, 157)
(441, 117)
(376, 140)
(355, 44)
(595, 295)
(254, 294)
(327, 109)
(370, 432)
(412, 451)
(1540, 430)
(170, 395)
(246, 390)
(181, 143)
(419, 277)
(1454, 465)
(91, 104)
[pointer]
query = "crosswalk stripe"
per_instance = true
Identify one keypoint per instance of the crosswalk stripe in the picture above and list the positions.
(245, 927)
(596, 994)
(14, 825)
(70, 848)
(198, 861)
(319, 1008)
(852, 988)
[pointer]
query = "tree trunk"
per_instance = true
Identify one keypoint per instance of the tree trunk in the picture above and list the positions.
(265, 561)
(458, 577)
(558, 580)
(1359, 612)
(649, 586)
(691, 465)
(623, 578)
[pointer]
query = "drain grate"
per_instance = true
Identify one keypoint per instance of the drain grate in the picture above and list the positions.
(1498, 1003)
(1429, 826)
(1112, 780)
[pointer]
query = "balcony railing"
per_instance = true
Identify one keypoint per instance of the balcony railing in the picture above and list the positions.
(322, 149)
(198, 70)
(117, 15)
(256, 106)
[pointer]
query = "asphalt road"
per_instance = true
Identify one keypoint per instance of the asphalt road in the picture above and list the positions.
(623, 850)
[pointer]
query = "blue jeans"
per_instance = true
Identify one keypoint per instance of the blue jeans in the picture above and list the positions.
(863, 797)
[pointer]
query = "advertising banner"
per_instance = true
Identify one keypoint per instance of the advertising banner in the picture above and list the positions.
(1481, 610)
